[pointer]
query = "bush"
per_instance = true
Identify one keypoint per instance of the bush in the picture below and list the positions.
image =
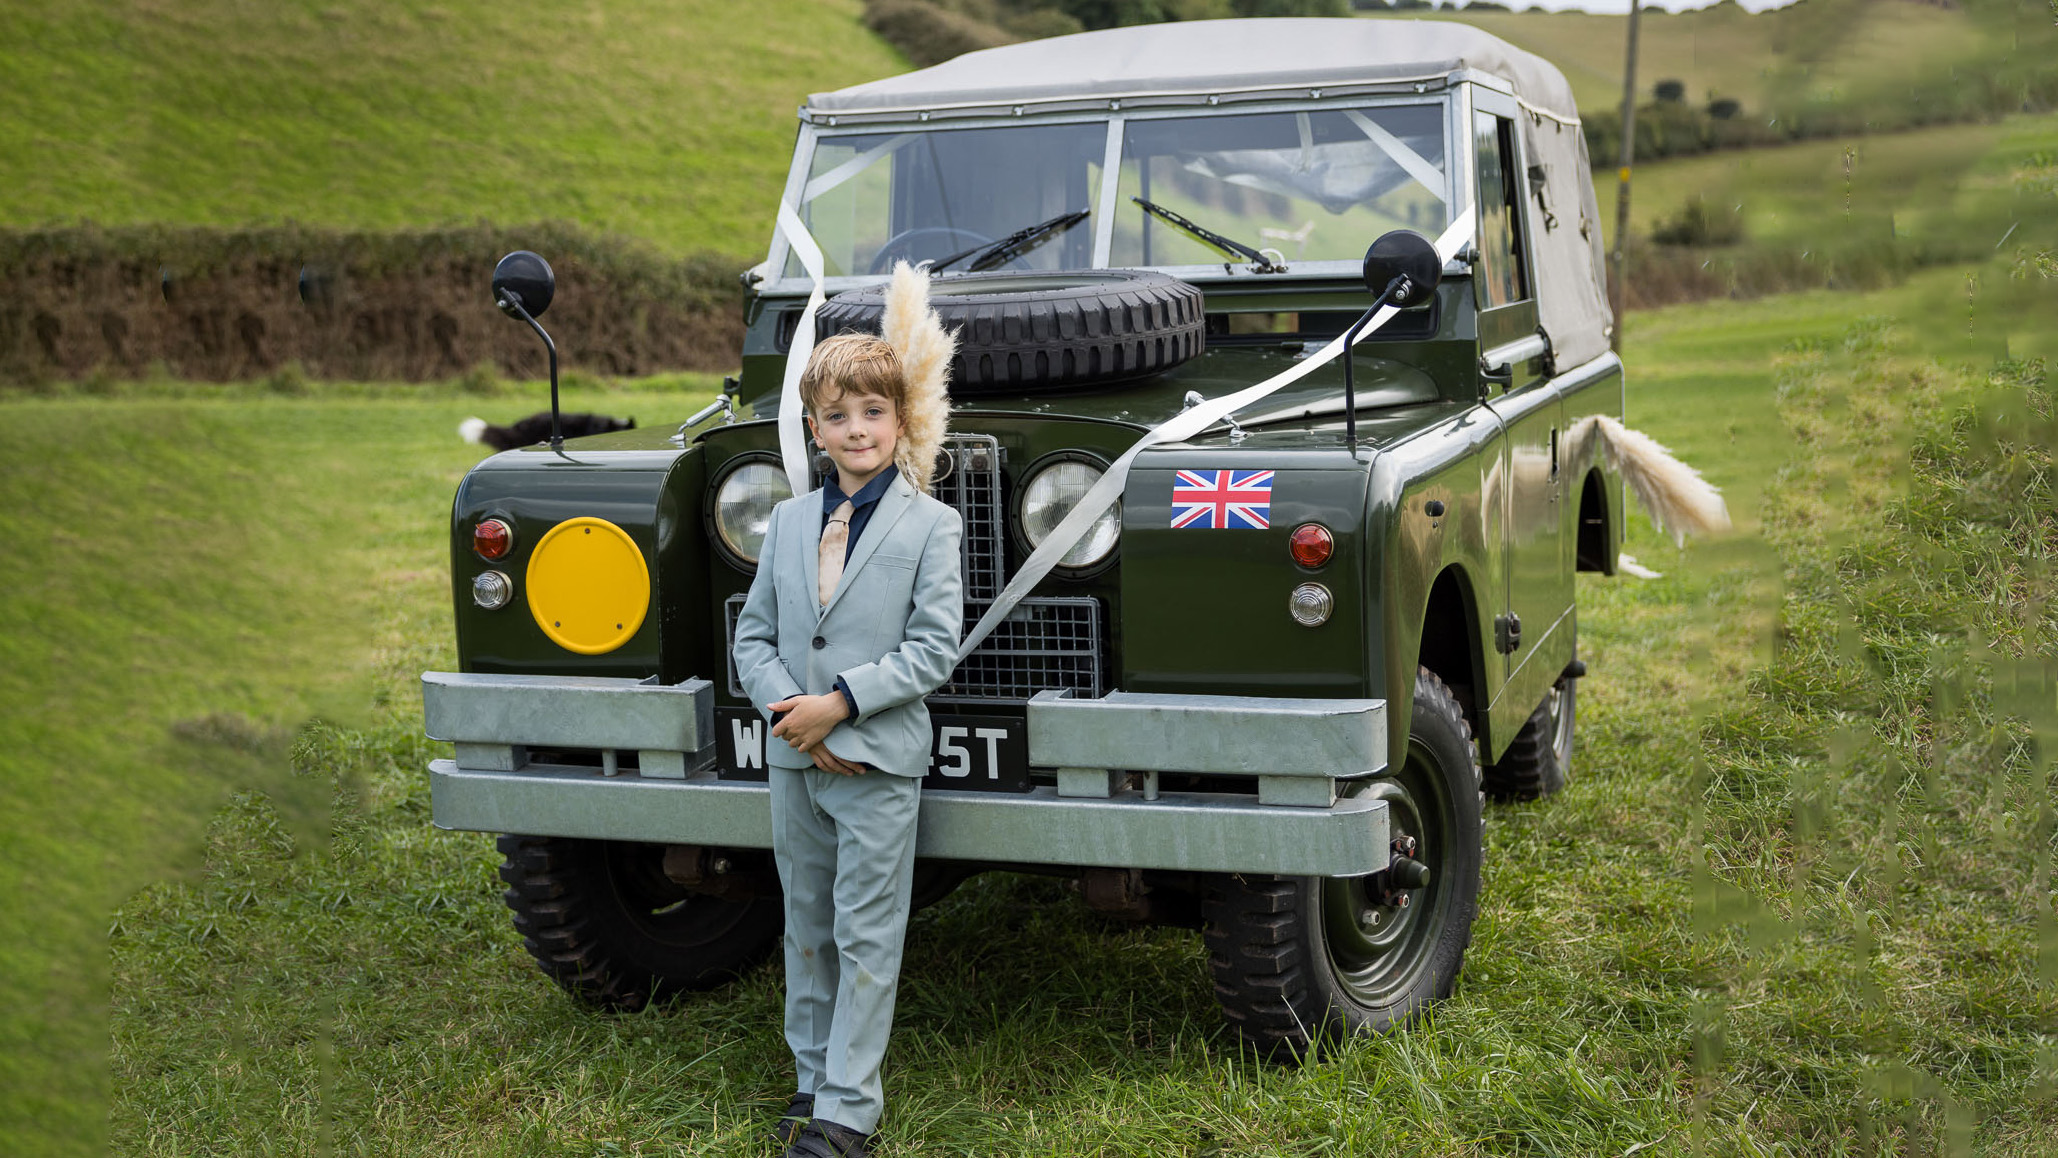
(1290, 7)
(289, 380)
(929, 33)
(481, 379)
(1724, 109)
(224, 304)
(1696, 224)
(1041, 23)
(1669, 91)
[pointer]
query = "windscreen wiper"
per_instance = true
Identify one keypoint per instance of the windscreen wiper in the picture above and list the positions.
(992, 253)
(1264, 264)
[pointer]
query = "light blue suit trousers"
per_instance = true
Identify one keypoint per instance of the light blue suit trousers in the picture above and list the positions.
(856, 834)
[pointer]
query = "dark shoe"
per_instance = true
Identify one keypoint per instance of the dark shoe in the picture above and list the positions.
(822, 1138)
(786, 1131)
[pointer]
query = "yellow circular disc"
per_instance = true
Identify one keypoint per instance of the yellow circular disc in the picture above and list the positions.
(588, 587)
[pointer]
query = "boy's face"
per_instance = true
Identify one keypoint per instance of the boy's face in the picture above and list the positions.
(860, 432)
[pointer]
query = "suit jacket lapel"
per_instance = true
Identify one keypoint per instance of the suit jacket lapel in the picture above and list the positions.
(892, 505)
(807, 541)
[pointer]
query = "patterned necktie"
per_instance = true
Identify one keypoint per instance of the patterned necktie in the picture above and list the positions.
(835, 537)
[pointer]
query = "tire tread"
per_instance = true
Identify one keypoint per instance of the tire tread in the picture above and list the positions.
(1256, 935)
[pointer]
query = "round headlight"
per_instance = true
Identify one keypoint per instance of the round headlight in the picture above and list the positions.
(1050, 496)
(743, 506)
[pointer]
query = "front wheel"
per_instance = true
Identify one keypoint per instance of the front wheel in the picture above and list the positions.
(1300, 959)
(606, 923)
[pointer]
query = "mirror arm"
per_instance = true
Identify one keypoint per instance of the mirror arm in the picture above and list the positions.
(1398, 285)
(511, 302)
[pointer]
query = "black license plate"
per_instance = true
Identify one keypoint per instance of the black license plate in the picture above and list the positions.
(967, 752)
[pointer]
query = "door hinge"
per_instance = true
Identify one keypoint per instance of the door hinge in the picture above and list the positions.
(1507, 633)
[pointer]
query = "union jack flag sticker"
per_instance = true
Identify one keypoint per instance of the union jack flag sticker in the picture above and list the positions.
(1222, 499)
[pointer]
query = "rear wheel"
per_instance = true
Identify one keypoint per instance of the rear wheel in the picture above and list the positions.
(1297, 959)
(1538, 763)
(606, 923)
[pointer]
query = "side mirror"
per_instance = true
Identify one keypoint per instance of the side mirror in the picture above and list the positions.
(1401, 269)
(527, 277)
(1406, 256)
(522, 287)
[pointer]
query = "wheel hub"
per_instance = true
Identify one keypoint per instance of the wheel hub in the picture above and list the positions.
(1378, 926)
(1403, 874)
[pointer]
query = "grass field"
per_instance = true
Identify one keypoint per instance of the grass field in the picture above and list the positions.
(1836, 49)
(1937, 185)
(1792, 903)
(1798, 899)
(191, 571)
(1850, 213)
(669, 121)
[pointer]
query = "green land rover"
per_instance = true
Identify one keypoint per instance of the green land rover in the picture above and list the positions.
(1316, 603)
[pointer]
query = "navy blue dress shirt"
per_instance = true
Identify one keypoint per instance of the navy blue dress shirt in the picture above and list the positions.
(862, 504)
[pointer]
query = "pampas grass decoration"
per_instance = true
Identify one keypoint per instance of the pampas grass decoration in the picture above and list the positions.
(925, 349)
(1674, 494)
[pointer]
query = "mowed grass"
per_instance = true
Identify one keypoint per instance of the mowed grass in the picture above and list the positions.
(190, 573)
(1947, 186)
(1851, 213)
(671, 121)
(1824, 49)
(1796, 900)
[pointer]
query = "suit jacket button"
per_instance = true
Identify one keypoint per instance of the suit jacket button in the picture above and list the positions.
(820, 643)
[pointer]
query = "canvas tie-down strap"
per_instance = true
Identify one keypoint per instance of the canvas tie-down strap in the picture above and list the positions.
(1104, 493)
(792, 436)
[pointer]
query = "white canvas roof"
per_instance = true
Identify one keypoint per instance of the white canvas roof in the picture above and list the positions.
(1207, 56)
(1202, 57)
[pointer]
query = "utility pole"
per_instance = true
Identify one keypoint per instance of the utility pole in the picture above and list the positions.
(1619, 286)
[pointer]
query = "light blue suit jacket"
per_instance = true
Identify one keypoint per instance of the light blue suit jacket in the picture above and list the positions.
(890, 629)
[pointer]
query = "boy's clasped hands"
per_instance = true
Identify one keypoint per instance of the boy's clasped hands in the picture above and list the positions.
(808, 722)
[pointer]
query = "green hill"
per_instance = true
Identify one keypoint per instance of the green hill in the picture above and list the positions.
(671, 120)
(1813, 50)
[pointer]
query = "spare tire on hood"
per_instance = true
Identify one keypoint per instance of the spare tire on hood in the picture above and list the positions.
(1027, 330)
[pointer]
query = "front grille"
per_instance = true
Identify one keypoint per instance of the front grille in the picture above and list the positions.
(968, 479)
(1045, 642)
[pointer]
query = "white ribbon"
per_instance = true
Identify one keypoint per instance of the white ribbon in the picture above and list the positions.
(792, 433)
(1187, 423)
(1101, 495)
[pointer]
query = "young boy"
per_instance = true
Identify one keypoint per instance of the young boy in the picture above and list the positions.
(854, 616)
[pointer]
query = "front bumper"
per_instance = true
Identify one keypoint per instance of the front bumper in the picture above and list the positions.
(1304, 754)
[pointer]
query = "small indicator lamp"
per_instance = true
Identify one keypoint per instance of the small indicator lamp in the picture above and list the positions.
(1311, 545)
(492, 590)
(492, 538)
(1311, 605)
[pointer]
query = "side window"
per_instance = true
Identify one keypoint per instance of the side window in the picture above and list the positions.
(1501, 275)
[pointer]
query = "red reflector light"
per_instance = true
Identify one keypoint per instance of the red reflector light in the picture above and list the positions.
(1311, 544)
(492, 538)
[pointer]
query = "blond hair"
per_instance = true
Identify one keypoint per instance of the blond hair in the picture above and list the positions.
(852, 363)
(907, 362)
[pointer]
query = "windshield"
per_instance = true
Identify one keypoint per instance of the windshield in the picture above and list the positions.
(876, 198)
(1315, 186)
